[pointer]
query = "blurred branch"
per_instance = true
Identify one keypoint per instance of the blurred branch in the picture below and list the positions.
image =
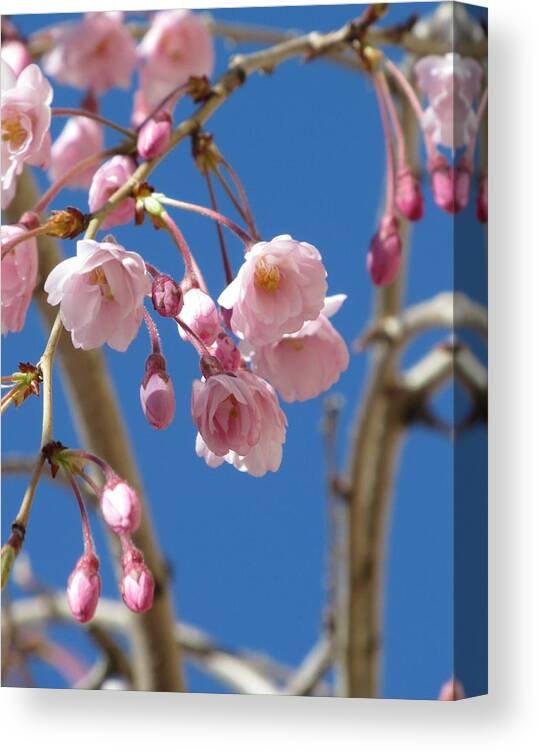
(447, 310)
(312, 670)
(236, 670)
(102, 430)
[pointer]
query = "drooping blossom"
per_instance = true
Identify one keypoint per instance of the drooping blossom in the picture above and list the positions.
(281, 284)
(266, 454)
(137, 585)
(120, 506)
(101, 292)
(106, 181)
(304, 364)
(26, 118)
(450, 83)
(384, 256)
(19, 277)
(154, 136)
(177, 46)
(157, 393)
(408, 195)
(200, 314)
(95, 53)
(15, 53)
(225, 350)
(80, 138)
(84, 588)
(225, 411)
(452, 690)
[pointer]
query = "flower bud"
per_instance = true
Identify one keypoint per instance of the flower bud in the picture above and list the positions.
(383, 259)
(84, 587)
(137, 585)
(67, 223)
(226, 351)
(157, 396)
(154, 136)
(167, 297)
(450, 185)
(452, 690)
(409, 198)
(482, 201)
(120, 506)
(200, 314)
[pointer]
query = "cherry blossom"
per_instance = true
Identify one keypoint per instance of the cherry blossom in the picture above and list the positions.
(19, 277)
(107, 180)
(26, 117)
(281, 284)
(101, 292)
(80, 138)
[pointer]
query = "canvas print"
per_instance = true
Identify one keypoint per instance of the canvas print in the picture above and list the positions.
(244, 363)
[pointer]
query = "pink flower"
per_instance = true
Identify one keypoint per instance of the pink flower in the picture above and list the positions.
(84, 588)
(137, 585)
(409, 198)
(15, 54)
(303, 365)
(266, 455)
(106, 181)
(101, 294)
(384, 257)
(200, 314)
(26, 118)
(450, 83)
(281, 285)
(452, 690)
(120, 506)
(177, 45)
(167, 297)
(226, 352)
(80, 138)
(157, 393)
(19, 277)
(225, 411)
(154, 136)
(95, 53)
(450, 185)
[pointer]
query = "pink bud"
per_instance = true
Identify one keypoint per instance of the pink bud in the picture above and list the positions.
(154, 136)
(167, 297)
(137, 585)
(482, 201)
(15, 54)
(409, 198)
(200, 314)
(157, 399)
(383, 259)
(226, 351)
(83, 588)
(120, 506)
(450, 186)
(452, 690)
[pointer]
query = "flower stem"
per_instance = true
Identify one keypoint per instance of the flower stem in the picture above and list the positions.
(21, 237)
(194, 338)
(399, 135)
(73, 112)
(249, 217)
(229, 276)
(86, 532)
(7, 399)
(205, 212)
(81, 166)
(191, 268)
(390, 178)
(169, 99)
(152, 331)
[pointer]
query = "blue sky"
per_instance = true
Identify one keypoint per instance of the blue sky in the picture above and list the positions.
(248, 555)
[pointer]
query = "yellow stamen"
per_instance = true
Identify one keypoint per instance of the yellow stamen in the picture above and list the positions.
(13, 132)
(267, 276)
(294, 342)
(98, 277)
